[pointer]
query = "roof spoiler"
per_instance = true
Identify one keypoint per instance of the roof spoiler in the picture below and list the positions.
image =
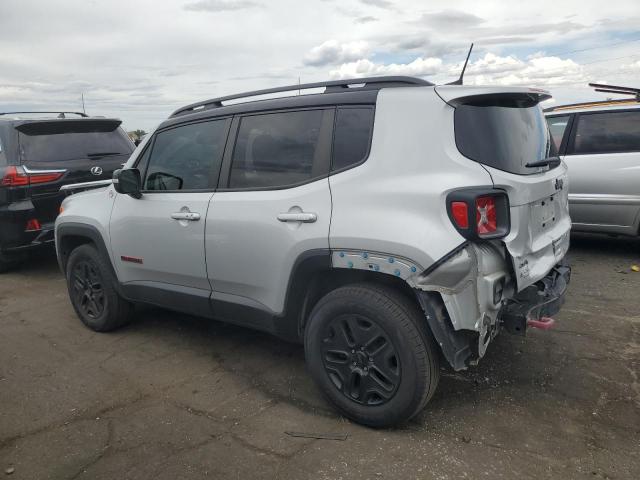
(84, 125)
(516, 97)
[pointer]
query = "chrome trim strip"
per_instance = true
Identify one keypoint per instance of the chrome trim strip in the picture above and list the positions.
(78, 186)
(37, 171)
(604, 198)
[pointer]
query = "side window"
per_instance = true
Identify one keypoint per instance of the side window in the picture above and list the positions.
(352, 136)
(280, 149)
(186, 157)
(607, 132)
(557, 128)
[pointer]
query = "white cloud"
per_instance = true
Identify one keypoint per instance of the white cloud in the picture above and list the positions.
(364, 67)
(536, 70)
(145, 63)
(220, 5)
(332, 52)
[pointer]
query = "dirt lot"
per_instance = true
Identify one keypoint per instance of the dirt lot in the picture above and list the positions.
(173, 396)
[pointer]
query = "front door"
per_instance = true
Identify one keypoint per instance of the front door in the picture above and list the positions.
(157, 240)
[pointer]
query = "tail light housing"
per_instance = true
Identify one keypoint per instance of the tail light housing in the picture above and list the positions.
(479, 213)
(33, 225)
(19, 176)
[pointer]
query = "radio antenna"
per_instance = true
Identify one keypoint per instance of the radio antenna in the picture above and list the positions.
(459, 80)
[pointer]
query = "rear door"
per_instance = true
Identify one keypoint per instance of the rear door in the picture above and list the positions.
(603, 156)
(273, 206)
(72, 151)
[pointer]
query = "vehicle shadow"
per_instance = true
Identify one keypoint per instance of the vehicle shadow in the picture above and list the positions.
(599, 244)
(41, 261)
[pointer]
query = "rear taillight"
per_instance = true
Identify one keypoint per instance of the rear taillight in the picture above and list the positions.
(479, 213)
(486, 216)
(14, 177)
(33, 225)
(460, 214)
(17, 176)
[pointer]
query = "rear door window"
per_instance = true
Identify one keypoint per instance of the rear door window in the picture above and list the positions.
(607, 132)
(187, 157)
(276, 150)
(352, 136)
(557, 128)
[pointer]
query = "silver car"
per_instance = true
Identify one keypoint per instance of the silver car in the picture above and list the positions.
(384, 223)
(600, 143)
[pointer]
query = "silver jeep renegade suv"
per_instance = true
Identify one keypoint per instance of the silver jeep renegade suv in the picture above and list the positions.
(386, 223)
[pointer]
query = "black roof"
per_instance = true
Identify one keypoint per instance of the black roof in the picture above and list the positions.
(350, 91)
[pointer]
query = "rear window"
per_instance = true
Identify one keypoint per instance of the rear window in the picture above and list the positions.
(504, 137)
(49, 142)
(608, 132)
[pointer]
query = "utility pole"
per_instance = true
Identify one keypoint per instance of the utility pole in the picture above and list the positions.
(83, 110)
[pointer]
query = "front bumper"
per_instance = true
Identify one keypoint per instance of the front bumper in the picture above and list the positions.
(542, 299)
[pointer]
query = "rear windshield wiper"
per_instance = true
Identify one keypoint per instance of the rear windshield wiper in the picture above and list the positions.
(103, 154)
(551, 162)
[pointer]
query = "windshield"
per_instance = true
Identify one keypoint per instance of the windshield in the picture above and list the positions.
(503, 137)
(61, 146)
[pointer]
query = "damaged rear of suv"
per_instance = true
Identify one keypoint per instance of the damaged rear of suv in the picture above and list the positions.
(385, 222)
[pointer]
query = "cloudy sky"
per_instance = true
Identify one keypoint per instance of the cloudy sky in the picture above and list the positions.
(140, 59)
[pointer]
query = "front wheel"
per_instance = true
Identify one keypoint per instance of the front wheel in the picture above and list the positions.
(92, 291)
(369, 350)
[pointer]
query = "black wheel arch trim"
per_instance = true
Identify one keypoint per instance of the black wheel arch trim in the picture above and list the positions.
(91, 233)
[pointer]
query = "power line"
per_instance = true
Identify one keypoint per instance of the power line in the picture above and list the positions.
(595, 48)
(610, 59)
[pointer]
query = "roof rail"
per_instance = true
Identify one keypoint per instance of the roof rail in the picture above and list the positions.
(599, 103)
(60, 114)
(601, 87)
(330, 87)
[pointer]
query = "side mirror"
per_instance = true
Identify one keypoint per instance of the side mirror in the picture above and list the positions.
(128, 181)
(137, 141)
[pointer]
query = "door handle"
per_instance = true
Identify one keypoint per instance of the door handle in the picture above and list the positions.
(191, 216)
(305, 217)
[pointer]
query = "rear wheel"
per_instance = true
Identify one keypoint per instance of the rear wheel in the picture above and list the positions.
(92, 291)
(369, 351)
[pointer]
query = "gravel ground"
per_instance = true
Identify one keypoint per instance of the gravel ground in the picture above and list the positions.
(173, 396)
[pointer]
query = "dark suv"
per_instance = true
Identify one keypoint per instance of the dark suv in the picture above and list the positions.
(39, 153)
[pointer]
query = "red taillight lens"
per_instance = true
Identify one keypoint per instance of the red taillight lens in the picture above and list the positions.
(18, 177)
(486, 217)
(44, 177)
(14, 177)
(460, 214)
(33, 225)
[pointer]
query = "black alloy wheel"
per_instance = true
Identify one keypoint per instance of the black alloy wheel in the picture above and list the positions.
(360, 360)
(88, 291)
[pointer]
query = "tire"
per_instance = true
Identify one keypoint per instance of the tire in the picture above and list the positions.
(370, 352)
(92, 291)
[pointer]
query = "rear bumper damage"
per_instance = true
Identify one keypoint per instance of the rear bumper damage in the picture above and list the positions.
(479, 292)
(540, 300)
